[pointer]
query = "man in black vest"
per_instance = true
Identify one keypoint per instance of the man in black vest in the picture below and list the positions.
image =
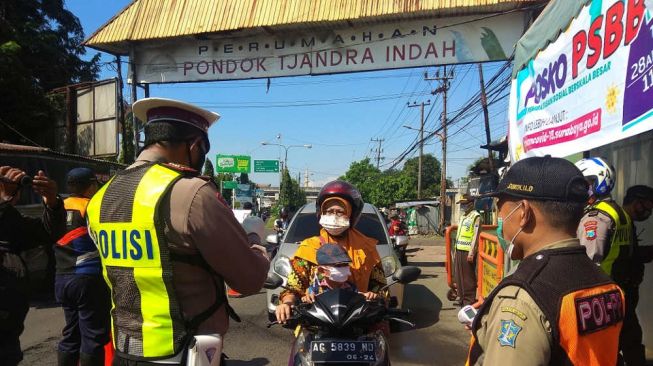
(19, 233)
(558, 307)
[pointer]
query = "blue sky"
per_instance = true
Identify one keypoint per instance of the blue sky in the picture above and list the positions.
(340, 131)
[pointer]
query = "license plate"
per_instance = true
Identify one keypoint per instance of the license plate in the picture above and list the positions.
(343, 351)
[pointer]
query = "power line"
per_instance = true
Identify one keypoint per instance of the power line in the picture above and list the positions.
(464, 112)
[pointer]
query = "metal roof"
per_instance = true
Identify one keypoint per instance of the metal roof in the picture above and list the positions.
(25, 150)
(144, 20)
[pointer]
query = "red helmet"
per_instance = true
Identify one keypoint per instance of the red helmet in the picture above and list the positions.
(344, 190)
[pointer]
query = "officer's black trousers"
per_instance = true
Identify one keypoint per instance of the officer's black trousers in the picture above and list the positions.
(630, 339)
(14, 306)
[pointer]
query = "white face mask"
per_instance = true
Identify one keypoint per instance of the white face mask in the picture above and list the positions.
(333, 224)
(338, 274)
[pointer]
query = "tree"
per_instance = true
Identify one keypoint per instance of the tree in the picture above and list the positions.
(431, 174)
(208, 170)
(224, 177)
(40, 49)
(482, 165)
(364, 176)
(392, 187)
(290, 194)
(384, 188)
(126, 155)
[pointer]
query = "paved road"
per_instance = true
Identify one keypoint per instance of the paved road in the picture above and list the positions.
(438, 338)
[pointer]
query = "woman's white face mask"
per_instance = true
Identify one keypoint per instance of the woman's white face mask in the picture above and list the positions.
(334, 224)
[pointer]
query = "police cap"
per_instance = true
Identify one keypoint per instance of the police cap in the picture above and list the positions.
(172, 120)
(545, 179)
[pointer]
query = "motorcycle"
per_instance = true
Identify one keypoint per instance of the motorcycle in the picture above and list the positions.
(339, 327)
(400, 243)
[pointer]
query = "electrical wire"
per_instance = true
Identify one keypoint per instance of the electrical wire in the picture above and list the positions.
(492, 88)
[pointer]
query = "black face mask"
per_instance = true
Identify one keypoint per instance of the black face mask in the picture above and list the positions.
(200, 162)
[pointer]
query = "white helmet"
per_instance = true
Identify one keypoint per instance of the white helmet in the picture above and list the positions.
(599, 173)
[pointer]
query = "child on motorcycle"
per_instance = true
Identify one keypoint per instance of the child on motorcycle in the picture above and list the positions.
(339, 206)
(332, 272)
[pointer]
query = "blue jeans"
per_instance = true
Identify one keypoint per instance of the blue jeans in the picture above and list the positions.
(86, 304)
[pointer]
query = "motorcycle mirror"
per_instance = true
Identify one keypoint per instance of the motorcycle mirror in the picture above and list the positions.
(273, 281)
(272, 239)
(401, 240)
(407, 274)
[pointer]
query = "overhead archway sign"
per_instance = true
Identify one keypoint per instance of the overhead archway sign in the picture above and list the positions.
(398, 44)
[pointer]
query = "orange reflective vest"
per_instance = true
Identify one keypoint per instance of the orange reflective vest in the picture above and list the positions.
(75, 252)
(583, 305)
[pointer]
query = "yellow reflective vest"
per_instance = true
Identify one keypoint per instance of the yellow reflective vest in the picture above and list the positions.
(124, 222)
(620, 242)
(465, 232)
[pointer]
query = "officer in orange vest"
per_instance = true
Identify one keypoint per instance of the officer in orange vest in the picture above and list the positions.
(79, 285)
(558, 307)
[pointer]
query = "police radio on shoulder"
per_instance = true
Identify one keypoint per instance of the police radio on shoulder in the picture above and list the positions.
(466, 314)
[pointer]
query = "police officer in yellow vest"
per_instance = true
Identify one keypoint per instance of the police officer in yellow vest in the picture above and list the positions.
(168, 242)
(466, 245)
(558, 307)
(607, 232)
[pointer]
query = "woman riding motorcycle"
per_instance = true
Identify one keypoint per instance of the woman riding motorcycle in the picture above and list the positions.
(339, 206)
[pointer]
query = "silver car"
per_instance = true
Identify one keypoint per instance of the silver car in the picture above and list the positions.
(305, 225)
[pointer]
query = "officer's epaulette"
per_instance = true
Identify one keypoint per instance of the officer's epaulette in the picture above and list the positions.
(592, 212)
(185, 170)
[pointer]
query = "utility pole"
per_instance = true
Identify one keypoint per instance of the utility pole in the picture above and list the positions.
(378, 151)
(307, 177)
(443, 88)
(121, 112)
(487, 117)
(421, 144)
(134, 98)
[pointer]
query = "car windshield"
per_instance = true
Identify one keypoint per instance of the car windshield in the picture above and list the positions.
(306, 225)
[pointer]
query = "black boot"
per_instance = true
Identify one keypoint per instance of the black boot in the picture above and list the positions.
(67, 359)
(91, 360)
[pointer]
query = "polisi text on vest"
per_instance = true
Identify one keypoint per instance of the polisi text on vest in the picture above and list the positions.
(130, 244)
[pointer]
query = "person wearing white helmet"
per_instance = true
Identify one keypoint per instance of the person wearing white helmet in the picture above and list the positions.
(607, 233)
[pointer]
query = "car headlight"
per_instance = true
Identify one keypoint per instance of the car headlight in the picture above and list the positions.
(390, 265)
(282, 266)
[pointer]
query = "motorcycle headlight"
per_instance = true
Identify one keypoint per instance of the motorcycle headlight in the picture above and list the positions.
(390, 265)
(381, 346)
(282, 266)
(381, 351)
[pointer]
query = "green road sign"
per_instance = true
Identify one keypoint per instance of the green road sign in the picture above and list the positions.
(230, 184)
(266, 166)
(233, 164)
